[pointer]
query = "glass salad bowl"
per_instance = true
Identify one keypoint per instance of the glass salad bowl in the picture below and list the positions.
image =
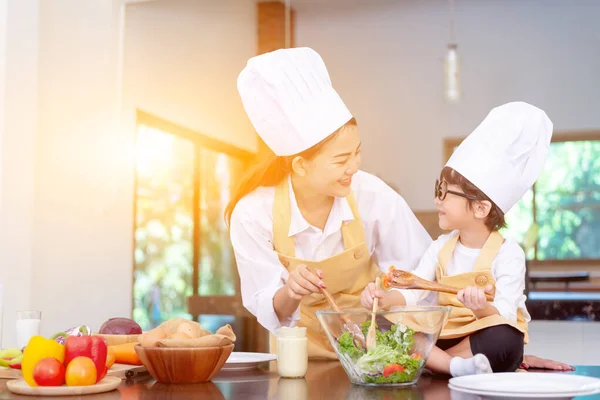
(404, 338)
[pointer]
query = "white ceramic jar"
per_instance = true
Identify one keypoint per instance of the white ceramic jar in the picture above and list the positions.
(292, 352)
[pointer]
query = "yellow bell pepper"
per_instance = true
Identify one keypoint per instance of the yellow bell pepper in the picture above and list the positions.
(39, 347)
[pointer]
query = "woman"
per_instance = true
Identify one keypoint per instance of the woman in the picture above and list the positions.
(308, 218)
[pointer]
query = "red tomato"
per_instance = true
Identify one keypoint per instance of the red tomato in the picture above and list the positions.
(49, 372)
(392, 368)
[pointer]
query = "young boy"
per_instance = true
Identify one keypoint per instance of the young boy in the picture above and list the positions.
(487, 175)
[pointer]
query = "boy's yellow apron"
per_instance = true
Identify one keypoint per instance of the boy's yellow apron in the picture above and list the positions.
(461, 321)
(346, 274)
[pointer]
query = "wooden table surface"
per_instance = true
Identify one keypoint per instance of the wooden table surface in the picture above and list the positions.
(324, 380)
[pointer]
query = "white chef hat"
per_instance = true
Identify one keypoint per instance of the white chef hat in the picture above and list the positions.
(289, 99)
(505, 154)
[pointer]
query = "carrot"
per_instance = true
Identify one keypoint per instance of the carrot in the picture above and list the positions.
(125, 353)
(110, 360)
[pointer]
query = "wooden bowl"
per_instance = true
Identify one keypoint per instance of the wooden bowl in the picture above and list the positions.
(183, 364)
(118, 339)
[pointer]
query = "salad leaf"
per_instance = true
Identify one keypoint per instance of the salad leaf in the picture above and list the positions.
(396, 377)
(347, 346)
(375, 360)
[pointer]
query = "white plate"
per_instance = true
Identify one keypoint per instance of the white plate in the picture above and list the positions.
(527, 385)
(467, 394)
(240, 360)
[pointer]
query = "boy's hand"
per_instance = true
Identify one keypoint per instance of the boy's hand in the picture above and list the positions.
(474, 298)
(368, 295)
(387, 299)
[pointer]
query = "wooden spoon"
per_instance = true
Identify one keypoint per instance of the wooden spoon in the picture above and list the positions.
(372, 336)
(353, 328)
(405, 280)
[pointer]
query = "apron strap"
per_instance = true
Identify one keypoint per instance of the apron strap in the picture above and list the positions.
(352, 232)
(282, 218)
(484, 261)
(444, 257)
(488, 252)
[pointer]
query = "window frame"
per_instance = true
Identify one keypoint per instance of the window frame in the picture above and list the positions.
(558, 137)
(254, 335)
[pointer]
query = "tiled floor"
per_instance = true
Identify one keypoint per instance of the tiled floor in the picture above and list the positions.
(567, 341)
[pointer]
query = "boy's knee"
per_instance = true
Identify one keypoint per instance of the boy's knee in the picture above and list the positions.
(503, 346)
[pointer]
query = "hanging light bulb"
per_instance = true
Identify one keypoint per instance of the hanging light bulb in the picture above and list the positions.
(452, 81)
(451, 66)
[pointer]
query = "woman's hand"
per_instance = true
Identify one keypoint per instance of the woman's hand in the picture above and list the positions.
(302, 282)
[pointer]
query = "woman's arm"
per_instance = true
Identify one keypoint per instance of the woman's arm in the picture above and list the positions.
(269, 291)
(262, 277)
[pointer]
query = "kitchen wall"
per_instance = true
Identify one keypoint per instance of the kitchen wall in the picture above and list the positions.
(386, 60)
(18, 129)
(182, 59)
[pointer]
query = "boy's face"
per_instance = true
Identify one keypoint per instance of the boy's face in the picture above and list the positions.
(453, 207)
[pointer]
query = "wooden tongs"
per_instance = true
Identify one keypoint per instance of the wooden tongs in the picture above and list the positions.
(351, 326)
(396, 278)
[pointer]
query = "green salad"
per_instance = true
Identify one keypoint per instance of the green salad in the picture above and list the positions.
(390, 361)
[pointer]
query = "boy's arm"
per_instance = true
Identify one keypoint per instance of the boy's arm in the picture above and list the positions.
(486, 312)
(509, 272)
(392, 298)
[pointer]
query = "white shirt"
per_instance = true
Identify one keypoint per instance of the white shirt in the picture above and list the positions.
(393, 235)
(508, 269)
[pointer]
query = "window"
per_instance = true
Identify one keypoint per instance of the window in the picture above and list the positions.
(182, 249)
(564, 202)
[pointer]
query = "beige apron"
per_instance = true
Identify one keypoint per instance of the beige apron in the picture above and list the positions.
(461, 321)
(345, 274)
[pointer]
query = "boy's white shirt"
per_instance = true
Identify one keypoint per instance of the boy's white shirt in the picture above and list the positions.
(508, 269)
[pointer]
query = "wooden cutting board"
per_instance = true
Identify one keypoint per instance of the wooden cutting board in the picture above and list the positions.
(126, 371)
(122, 371)
(9, 373)
(105, 385)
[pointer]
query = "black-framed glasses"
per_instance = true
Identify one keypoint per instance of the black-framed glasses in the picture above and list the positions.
(441, 190)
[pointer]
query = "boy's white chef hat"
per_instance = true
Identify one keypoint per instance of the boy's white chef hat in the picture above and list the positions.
(505, 154)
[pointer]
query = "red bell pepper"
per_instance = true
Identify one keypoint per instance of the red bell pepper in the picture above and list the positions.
(93, 347)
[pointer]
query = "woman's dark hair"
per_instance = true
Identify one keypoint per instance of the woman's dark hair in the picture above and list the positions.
(272, 170)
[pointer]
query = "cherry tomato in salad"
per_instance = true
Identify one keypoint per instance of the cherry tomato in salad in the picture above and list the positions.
(392, 368)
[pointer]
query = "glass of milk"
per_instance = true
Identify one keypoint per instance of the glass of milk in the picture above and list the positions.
(28, 325)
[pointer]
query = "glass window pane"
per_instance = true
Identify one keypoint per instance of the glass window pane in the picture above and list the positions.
(219, 174)
(163, 227)
(568, 202)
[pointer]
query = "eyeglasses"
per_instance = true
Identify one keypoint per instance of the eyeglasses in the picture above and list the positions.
(441, 190)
